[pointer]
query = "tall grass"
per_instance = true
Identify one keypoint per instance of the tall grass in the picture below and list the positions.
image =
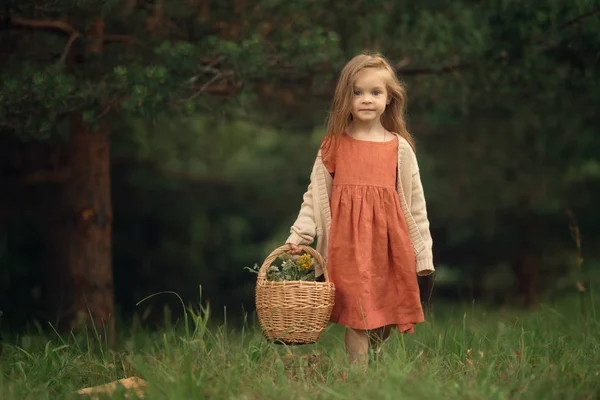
(465, 352)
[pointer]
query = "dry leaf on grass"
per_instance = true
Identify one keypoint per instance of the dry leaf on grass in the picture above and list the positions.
(130, 384)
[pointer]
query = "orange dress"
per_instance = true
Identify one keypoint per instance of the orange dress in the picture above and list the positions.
(370, 255)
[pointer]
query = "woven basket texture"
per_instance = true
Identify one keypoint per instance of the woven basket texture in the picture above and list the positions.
(293, 312)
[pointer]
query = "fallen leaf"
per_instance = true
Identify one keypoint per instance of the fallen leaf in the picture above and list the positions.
(133, 383)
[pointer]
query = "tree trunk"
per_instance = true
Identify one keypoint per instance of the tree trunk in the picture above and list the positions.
(79, 272)
(530, 278)
(528, 265)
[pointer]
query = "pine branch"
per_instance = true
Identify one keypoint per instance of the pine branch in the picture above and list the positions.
(51, 25)
(62, 27)
(400, 66)
(579, 18)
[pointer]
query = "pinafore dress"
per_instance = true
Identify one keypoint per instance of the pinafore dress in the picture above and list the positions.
(371, 259)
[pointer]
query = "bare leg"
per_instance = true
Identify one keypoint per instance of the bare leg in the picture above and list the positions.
(357, 346)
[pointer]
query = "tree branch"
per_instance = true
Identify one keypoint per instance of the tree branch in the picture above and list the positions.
(51, 25)
(400, 66)
(65, 53)
(202, 89)
(63, 27)
(579, 18)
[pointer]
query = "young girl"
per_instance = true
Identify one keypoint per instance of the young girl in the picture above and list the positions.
(365, 204)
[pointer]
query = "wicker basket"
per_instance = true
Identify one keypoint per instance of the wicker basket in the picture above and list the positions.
(293, 312)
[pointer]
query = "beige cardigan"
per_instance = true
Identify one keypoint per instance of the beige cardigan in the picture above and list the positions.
(314, 218)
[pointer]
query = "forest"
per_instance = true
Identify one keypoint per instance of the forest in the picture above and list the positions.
(151, 146)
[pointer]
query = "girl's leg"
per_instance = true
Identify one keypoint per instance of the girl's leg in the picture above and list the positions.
(357, 346)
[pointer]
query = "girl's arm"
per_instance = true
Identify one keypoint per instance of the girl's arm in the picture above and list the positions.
(419, 212)
(303, 230)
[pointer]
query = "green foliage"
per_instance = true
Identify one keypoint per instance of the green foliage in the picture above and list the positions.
(506, 47)
(502, 101)
(49, 91)
(151, 75)
(463, 353)
(199, 199)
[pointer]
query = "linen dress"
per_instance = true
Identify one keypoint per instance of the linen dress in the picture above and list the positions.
(370, 255)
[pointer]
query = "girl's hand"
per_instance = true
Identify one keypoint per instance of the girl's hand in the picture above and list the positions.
(294, 249)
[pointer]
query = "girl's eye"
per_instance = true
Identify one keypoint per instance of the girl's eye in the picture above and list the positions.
(357, 92)
(376, 93)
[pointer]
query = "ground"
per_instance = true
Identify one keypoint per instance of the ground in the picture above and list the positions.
(461, 352)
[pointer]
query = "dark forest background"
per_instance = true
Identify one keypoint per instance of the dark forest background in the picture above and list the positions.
(151, 146)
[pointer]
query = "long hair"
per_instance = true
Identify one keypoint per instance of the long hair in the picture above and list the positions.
(340, 116)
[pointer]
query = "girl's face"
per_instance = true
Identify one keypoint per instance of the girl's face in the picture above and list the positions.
(370, 95)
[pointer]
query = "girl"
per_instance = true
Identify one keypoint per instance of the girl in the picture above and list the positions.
(365, 204)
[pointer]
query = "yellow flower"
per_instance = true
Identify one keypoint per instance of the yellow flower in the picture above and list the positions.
(304, 261)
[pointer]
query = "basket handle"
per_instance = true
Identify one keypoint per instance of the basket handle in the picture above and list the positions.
(262, 272)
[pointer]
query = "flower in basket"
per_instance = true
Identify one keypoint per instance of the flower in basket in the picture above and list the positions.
(287, 267)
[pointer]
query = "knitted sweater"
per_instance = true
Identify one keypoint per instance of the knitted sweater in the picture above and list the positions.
(314, 218)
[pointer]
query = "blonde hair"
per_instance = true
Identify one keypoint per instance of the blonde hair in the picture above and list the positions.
(340, 116)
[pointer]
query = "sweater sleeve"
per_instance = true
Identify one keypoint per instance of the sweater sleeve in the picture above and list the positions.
(418, 210)
(303, 230)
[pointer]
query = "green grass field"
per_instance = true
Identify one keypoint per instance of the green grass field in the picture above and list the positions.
(459, 353)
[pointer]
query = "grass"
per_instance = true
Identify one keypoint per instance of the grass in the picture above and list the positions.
(461, 353)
